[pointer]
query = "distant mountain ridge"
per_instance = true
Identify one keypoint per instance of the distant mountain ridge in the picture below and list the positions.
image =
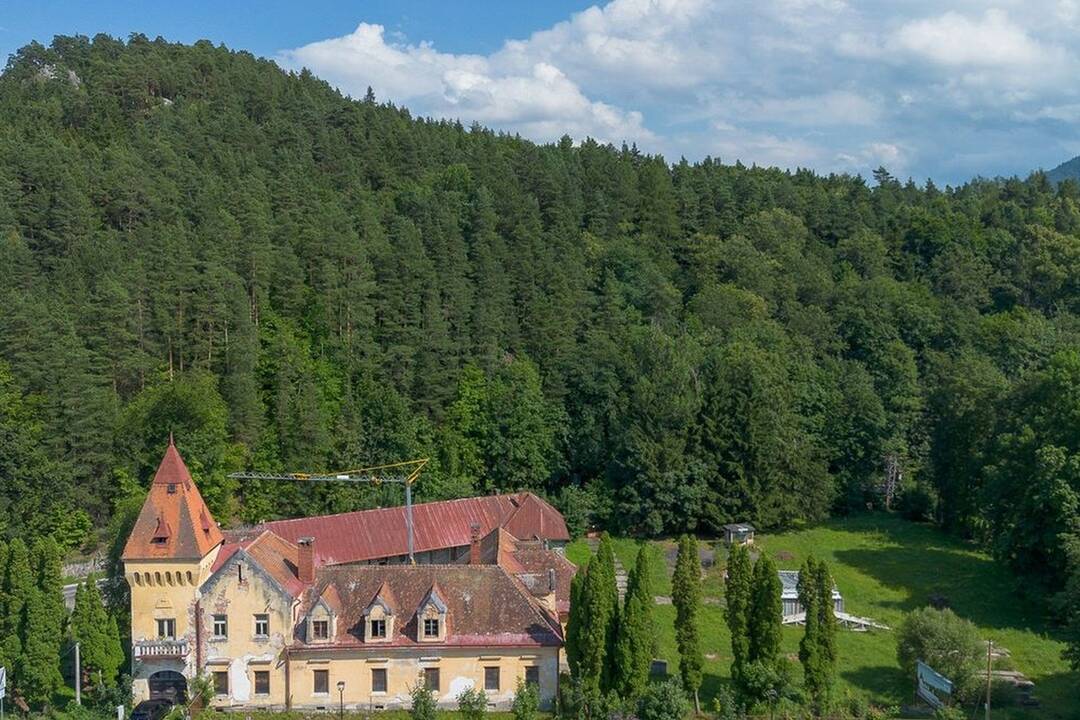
(1068, 170)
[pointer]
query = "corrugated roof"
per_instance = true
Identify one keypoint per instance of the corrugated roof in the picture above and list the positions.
(370, 534)
(484, 605)
(174, 521)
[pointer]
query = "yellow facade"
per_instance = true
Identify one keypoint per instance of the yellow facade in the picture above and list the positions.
(458, 670)
(163, 633)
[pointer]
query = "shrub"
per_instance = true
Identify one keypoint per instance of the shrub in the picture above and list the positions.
(472, 704)
(663, 701)
(725, 706)
(526, 701)
(949, 713)
(917, 503)
(944, 641)
(423, 702)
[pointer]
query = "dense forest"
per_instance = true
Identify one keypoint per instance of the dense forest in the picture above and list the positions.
(193, 240)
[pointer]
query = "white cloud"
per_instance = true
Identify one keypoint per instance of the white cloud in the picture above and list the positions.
(829, 84)
(537, 99)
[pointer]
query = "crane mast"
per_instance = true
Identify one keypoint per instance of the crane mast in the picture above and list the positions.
(404, 473)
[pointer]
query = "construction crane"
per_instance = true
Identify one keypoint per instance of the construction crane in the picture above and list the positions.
(405, 473)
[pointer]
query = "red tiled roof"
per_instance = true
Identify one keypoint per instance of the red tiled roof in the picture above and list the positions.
(369, 534)
(174, 522)
(485, 606)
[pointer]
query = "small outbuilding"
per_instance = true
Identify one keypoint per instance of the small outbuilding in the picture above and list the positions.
(789, 581)
(739, 534)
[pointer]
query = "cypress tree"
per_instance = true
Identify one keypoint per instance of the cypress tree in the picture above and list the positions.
(596, 638)
(810, 647)
(738, 596)
(114, 653)
(636, 632)
(686, 595)
(578, 619)
(38, 668)
(826, 627)
(766, 611)
(49, 581)
(3, 601)
(17, 586)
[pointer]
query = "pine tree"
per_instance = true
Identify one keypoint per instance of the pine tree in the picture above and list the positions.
(766, 611)
(686, 595)
(738, 598)
(636, 634)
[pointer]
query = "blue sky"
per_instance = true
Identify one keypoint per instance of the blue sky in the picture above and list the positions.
(941, 89)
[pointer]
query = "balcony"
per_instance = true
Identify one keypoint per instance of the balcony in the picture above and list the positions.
(155, 649)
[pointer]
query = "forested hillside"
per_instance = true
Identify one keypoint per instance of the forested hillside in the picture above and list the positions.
(194, 240)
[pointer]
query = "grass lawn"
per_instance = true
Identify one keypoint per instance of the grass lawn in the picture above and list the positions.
(884, 567)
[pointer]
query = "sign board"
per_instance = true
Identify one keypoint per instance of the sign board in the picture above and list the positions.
(3, 682)
(932, 685)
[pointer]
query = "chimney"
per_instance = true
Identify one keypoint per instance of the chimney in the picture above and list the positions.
(306, 566)
(474, 544)
(550, 599)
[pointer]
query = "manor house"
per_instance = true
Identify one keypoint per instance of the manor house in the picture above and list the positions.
(312, 613)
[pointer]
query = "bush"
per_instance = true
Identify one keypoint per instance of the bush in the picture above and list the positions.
(725, 706)
(949, 713)
(663, 701)
(944, 641)
(423, 702)
(472, 704)
(526, 701)
(917, 503)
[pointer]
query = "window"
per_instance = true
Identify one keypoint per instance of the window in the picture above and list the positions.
(158, 540)
(166, 629)
(221, 627)
(262, 682)
(532, 675)
(431, 679)
(431, 627)
(491, 678)
(221, 683)
(262, 625)
(378, 680)
(171, 489)
(240, 573)
(321, 682)
(378, 628)
(320, 629)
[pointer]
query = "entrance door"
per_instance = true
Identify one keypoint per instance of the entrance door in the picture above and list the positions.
(168, 685)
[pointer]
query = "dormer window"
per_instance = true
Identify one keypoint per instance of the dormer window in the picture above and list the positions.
(377, 629)
(379, 616)
(320, 630)
(171, 489)
(431, 617)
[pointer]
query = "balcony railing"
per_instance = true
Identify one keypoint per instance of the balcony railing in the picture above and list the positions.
(161, 648)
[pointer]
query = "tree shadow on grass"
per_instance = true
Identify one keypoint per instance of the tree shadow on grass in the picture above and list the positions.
(879, 681)
(974, 586)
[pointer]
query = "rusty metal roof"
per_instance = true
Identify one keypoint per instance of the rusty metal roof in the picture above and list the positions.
(370, 534)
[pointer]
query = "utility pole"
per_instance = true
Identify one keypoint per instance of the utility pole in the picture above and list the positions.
(78, 677)
(989, 652)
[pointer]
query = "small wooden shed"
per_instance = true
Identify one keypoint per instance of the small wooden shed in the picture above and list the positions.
(739, 534)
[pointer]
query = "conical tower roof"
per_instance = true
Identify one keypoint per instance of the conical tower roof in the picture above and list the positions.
(174, 522)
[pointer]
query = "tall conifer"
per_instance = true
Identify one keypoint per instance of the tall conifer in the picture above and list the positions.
(765, 614)
(686, 595)
(636, 633)
(738, 596)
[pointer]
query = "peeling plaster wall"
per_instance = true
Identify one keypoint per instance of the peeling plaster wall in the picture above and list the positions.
(242, 653)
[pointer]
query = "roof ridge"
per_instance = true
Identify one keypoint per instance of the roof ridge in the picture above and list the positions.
(474, 498)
